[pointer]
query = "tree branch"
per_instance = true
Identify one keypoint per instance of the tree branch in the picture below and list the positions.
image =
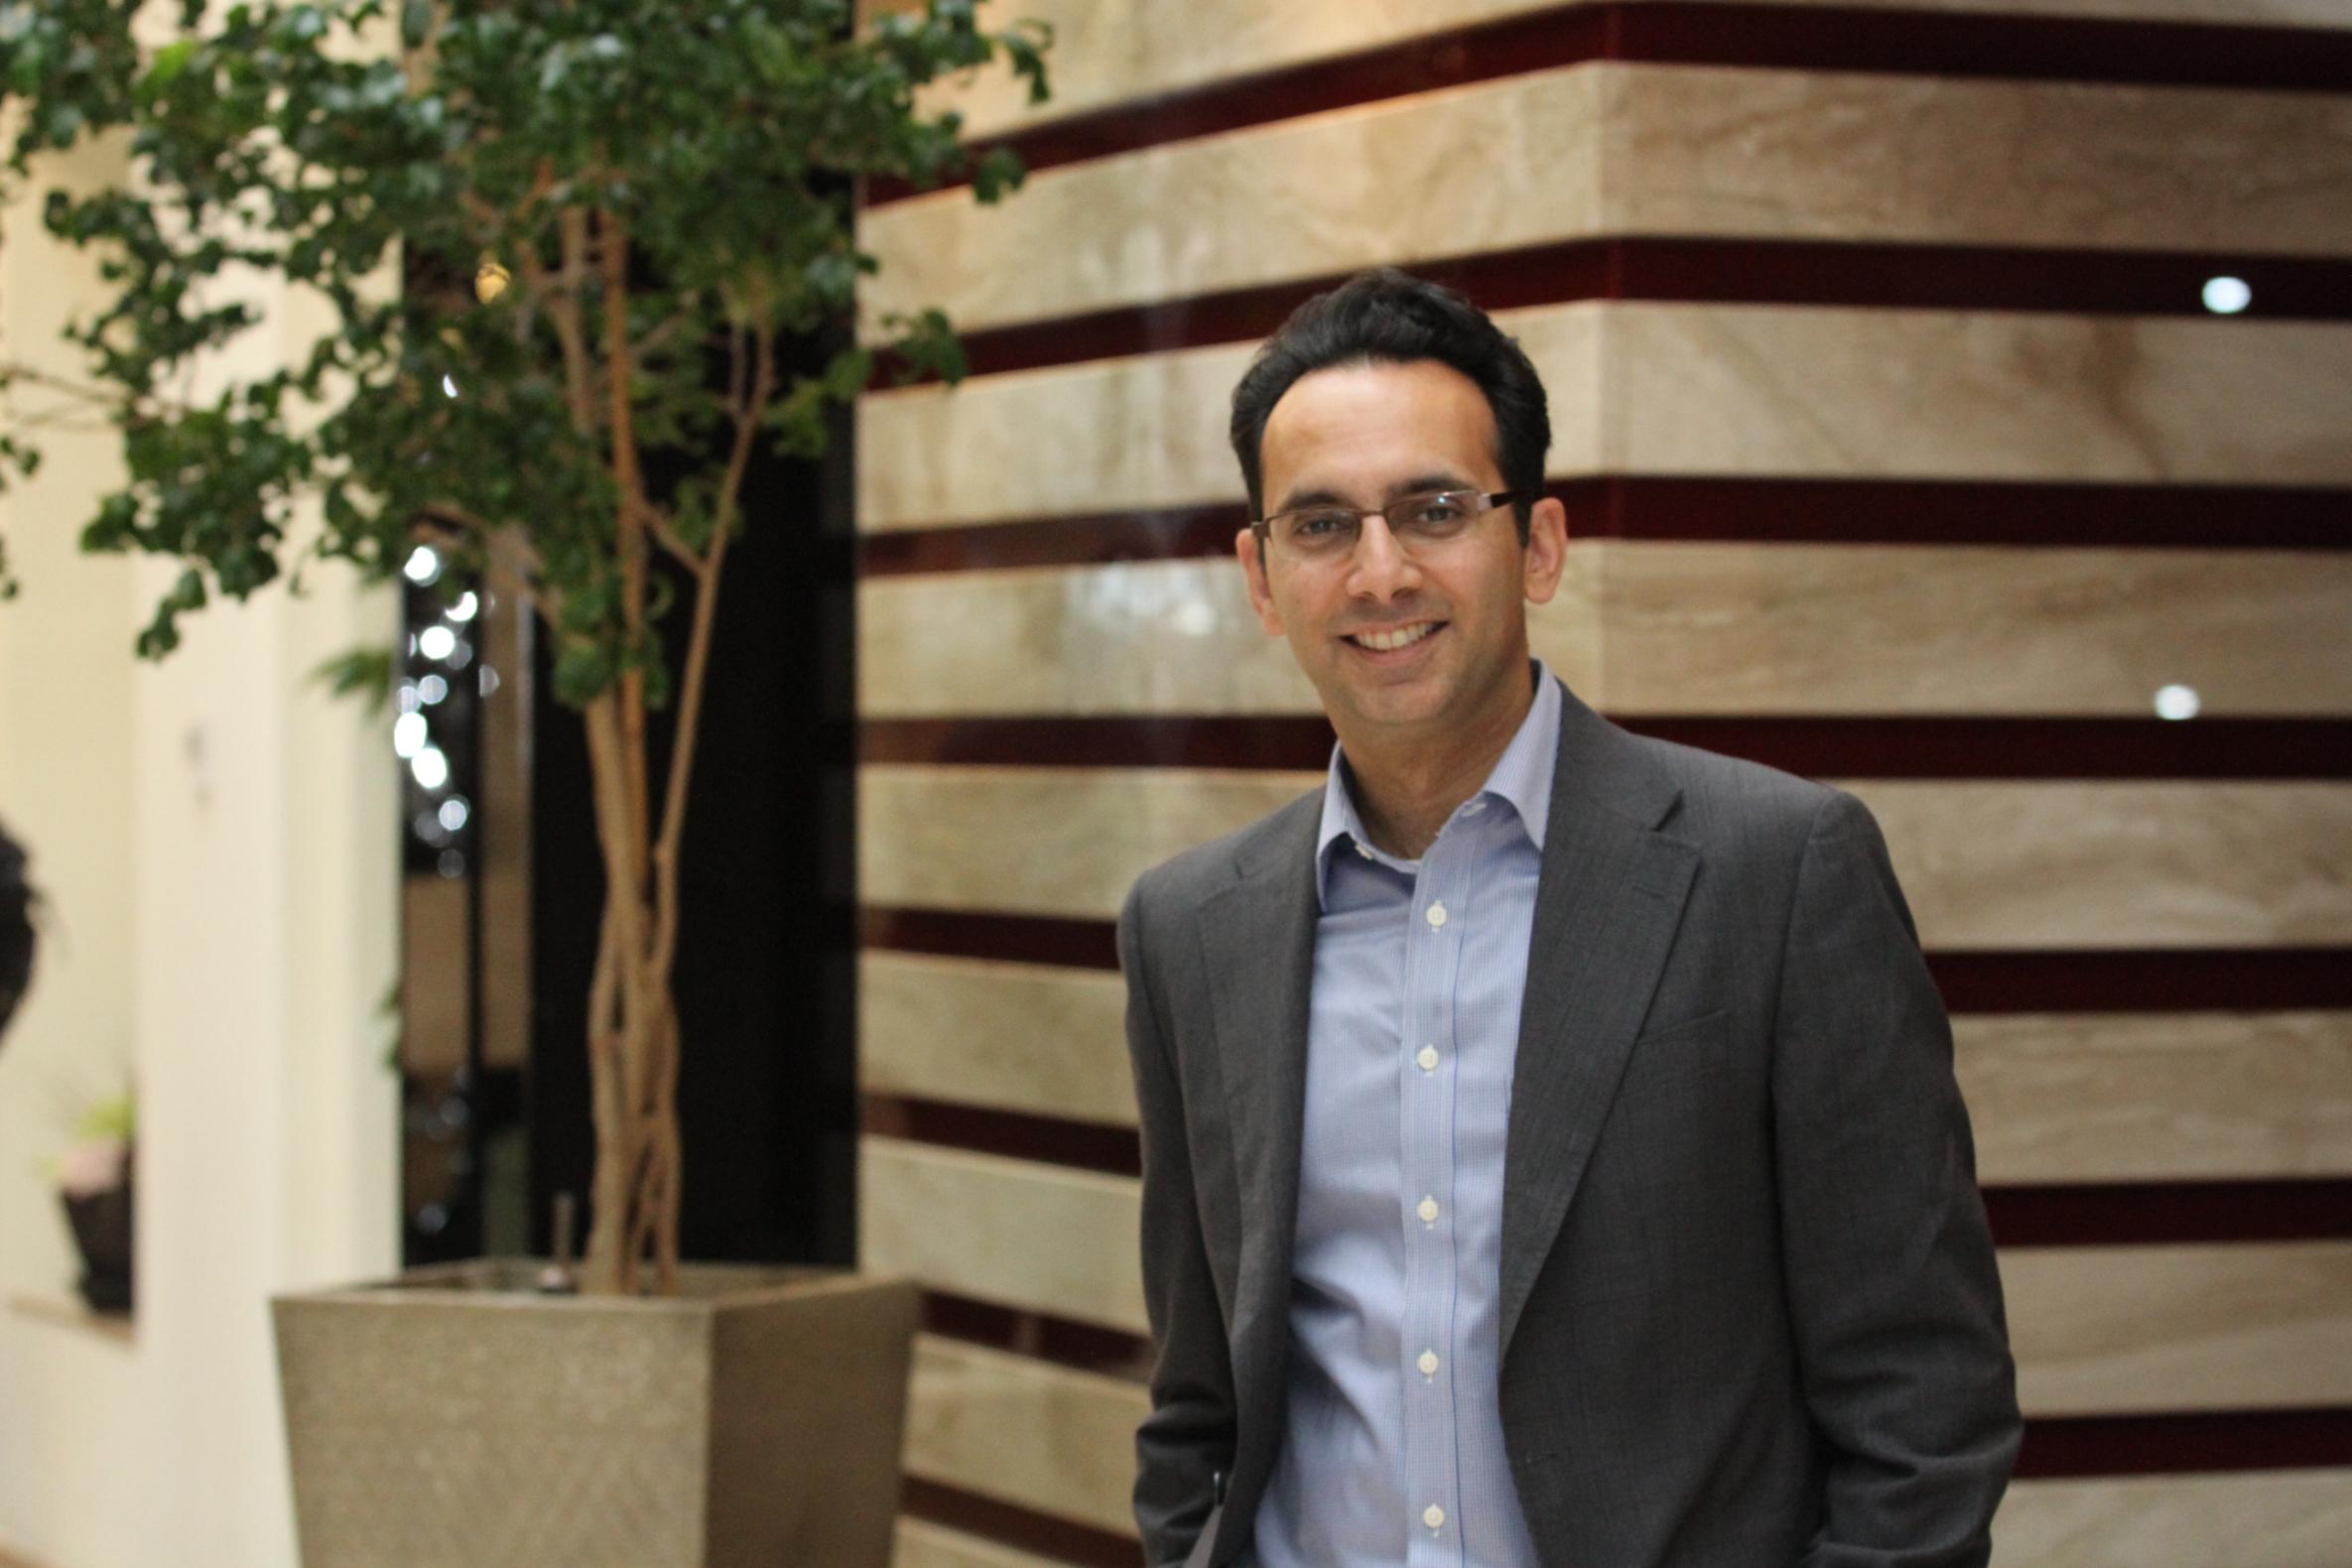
(698, 662)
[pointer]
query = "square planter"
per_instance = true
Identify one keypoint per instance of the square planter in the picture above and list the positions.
(453, 1418)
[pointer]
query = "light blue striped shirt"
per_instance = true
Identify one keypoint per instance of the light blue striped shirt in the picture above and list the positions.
(1392, 1449)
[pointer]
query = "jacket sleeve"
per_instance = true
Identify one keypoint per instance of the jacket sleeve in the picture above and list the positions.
(1188, 1438)
(1901, 1339)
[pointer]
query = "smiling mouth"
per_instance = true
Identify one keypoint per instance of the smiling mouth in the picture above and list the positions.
(1389, 639)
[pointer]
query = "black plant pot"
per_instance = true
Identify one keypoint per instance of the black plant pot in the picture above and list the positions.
(103, 1230)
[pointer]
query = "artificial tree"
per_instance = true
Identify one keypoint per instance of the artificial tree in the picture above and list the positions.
(553, 237)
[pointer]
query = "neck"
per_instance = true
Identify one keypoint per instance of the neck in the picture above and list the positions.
(1406, 786)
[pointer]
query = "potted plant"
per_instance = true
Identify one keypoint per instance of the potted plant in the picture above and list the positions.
(552, 238)
(95, 1177)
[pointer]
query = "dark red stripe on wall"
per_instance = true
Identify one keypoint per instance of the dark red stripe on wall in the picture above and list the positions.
(1188, 533)
(2232, 1439)
(1744, 271)
(2055, 1447)
(1017, 939)
(2112, 1214)
(2210, 979)
(1726, 510)
(1011, 1524)
(2173, 980)
(2152, 1214)
(1065, 1342)
(1810, 37)
(1057, 1140)
(1844, 748)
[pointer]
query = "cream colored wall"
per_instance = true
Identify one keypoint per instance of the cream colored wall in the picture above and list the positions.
(218, 839)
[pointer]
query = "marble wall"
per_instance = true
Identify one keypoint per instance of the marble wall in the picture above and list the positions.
(1902, 449)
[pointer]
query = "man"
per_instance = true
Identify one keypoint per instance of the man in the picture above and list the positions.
(1551, 1154)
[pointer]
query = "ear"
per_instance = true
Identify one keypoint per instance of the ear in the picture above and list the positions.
(1546, 554)
(1254, 573)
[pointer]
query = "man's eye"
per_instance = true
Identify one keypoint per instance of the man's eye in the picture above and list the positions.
(1321, 525)
(1439, 511)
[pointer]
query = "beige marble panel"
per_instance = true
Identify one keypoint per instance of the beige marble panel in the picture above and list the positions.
(1150, 637)
(1026, 1037)
(1610, 149)
(1841, 629)
(1648, 388)
(2115, 1330)
(1782, 390)
(925, 1546)
(1045, 1437)
(2286, 1518)
(1985, 864)
(2054, 1097)
(1663, 628)
(2120, 865)
(2096, 1330)
(2240, 13)
(2158, 1097)
(1015, 1232)
(1109, 53)
(1174, 636)
(1120, 435)
(1106, 52)
(1501, 164)
(1042, 840)
(2254, 1519)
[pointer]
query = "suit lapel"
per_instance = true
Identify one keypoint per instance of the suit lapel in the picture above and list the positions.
(1607, 905)
(1259, 937)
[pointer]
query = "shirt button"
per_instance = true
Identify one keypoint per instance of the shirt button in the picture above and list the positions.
(1427, 1363)
(1427, 1060)
(1436, 916)
(1427, 1211)
(1433, 1515)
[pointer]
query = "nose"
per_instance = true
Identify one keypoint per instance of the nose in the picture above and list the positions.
(1380, 569)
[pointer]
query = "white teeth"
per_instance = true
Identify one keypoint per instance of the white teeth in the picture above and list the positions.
(1401, 638)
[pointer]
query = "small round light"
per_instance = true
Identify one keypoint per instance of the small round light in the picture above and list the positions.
(435, 642)
(2176, 702)
(430, 768)
(2227, 296)
(424, 565)
(409, 734)
(449, 384)
(431, 690)
(453, 812)
(465, 607)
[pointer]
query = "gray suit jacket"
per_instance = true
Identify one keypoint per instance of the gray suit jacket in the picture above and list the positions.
(1748, 1311)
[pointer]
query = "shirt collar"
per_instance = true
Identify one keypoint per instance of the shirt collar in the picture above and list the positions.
(1521, 777)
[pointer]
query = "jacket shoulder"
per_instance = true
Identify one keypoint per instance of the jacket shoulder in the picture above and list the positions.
(1188, 880)
(1726, 796)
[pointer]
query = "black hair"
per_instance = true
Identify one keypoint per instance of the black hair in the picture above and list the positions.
(1387, 316)
(16, 928)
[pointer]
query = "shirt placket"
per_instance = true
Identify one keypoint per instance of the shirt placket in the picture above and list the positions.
(1432, 968)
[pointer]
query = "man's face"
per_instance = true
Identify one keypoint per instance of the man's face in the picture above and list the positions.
(1362, 435)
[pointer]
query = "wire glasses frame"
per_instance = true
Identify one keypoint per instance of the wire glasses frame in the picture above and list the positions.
(1427, 517)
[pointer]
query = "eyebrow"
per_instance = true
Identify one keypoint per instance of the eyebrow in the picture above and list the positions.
(1418, 484)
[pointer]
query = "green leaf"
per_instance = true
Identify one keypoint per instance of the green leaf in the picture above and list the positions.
(365, 672)
(170, 62)
(416, 23)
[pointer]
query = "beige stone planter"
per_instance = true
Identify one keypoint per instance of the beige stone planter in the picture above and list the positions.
(450, 1420)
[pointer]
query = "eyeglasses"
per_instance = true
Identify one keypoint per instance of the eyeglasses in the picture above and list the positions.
(1418, 522)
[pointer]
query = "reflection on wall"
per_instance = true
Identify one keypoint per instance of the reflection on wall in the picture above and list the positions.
(1949, 401)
